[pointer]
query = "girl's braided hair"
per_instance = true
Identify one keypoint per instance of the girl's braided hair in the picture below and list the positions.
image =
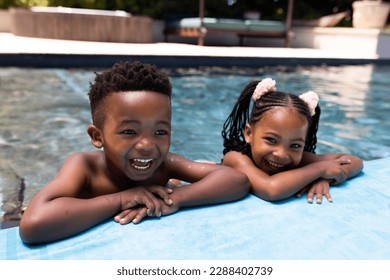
(233, 128)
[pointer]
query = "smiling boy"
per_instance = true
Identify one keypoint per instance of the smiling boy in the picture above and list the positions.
(127, 177)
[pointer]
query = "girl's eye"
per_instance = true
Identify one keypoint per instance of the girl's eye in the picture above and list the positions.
(161, 132)
(296, 146)
(270, 140)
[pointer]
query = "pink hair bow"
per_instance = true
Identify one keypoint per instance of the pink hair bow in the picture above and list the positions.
(311, 99)
(266, 85)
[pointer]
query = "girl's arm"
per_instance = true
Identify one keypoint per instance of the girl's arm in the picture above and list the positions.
(285, 184)
(353, 168)
(209, 183)
(58, 210)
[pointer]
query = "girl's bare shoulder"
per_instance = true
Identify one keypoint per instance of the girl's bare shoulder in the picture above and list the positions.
(234, 158)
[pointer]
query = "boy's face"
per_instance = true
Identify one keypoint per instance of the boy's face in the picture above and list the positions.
(136, 133)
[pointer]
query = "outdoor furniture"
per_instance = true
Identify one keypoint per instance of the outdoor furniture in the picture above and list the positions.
(202, 26)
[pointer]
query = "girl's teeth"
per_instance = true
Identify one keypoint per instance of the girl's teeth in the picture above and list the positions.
(275, 164)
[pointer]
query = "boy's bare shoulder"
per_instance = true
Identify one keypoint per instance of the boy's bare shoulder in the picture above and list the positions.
(88, 161)
(82, 173)
(86, 157)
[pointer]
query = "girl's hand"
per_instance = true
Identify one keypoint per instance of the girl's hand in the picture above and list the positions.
(335, 170)
(318, 189)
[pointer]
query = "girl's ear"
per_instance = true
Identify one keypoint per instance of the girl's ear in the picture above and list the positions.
(248, 133)
(96, 136)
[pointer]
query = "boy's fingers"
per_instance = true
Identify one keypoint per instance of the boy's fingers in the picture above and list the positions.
(121, 215)
(164, 194)
(169, 190)
(155, 210)
(127, 216)
(140, 215)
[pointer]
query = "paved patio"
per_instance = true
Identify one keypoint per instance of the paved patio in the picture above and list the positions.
(21, 51)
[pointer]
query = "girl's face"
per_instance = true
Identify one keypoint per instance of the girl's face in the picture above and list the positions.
(277, 140)
(136, 133)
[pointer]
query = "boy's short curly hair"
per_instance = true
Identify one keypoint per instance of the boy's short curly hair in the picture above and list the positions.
(125, 76)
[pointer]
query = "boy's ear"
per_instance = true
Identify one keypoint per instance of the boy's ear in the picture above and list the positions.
(96, 136)
(248, 133)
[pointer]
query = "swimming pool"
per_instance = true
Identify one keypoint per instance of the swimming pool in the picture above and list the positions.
(45, 112)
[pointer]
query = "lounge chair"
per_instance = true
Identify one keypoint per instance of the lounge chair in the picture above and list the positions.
(202, 26)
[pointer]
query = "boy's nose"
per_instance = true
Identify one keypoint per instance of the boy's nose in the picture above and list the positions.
(145, 144)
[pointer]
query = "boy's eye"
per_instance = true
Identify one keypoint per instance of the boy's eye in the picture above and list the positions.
(161, 132)
(128, 132)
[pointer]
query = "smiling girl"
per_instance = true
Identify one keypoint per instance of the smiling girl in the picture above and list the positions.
(274, 144)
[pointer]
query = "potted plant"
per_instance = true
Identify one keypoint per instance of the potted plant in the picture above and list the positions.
(370, 13)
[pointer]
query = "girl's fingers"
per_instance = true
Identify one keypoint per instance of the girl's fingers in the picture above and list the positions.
(328, 197)
(310, 196)
(344, 161)
(319, 197)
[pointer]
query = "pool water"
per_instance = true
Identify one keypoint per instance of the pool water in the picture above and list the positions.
(45, 113)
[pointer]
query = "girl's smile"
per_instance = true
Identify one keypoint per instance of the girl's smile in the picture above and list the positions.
(277, 140)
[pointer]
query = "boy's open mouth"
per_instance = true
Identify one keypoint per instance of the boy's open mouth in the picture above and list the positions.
(141, 163)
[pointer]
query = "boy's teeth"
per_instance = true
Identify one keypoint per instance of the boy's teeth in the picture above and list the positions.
(141, 163)
(142, 160)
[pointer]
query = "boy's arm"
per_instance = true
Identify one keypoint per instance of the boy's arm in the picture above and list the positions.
(285, 184)
(209, 183)
(57, 211)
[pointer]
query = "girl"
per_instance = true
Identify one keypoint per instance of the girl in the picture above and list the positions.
(275, 145)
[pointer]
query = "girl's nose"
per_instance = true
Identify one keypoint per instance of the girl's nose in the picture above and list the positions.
(281, 153)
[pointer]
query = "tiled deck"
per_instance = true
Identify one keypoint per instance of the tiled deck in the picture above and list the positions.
(35, 52)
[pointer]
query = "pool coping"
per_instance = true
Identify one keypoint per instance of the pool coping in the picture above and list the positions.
(86, 61)
(19, 51)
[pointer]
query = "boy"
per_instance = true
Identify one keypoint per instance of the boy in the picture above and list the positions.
(131, 114)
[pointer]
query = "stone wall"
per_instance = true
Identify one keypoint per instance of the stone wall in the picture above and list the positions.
(81, 24)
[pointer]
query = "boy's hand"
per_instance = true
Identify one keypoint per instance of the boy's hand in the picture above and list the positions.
(136, 214)
(139, 202)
